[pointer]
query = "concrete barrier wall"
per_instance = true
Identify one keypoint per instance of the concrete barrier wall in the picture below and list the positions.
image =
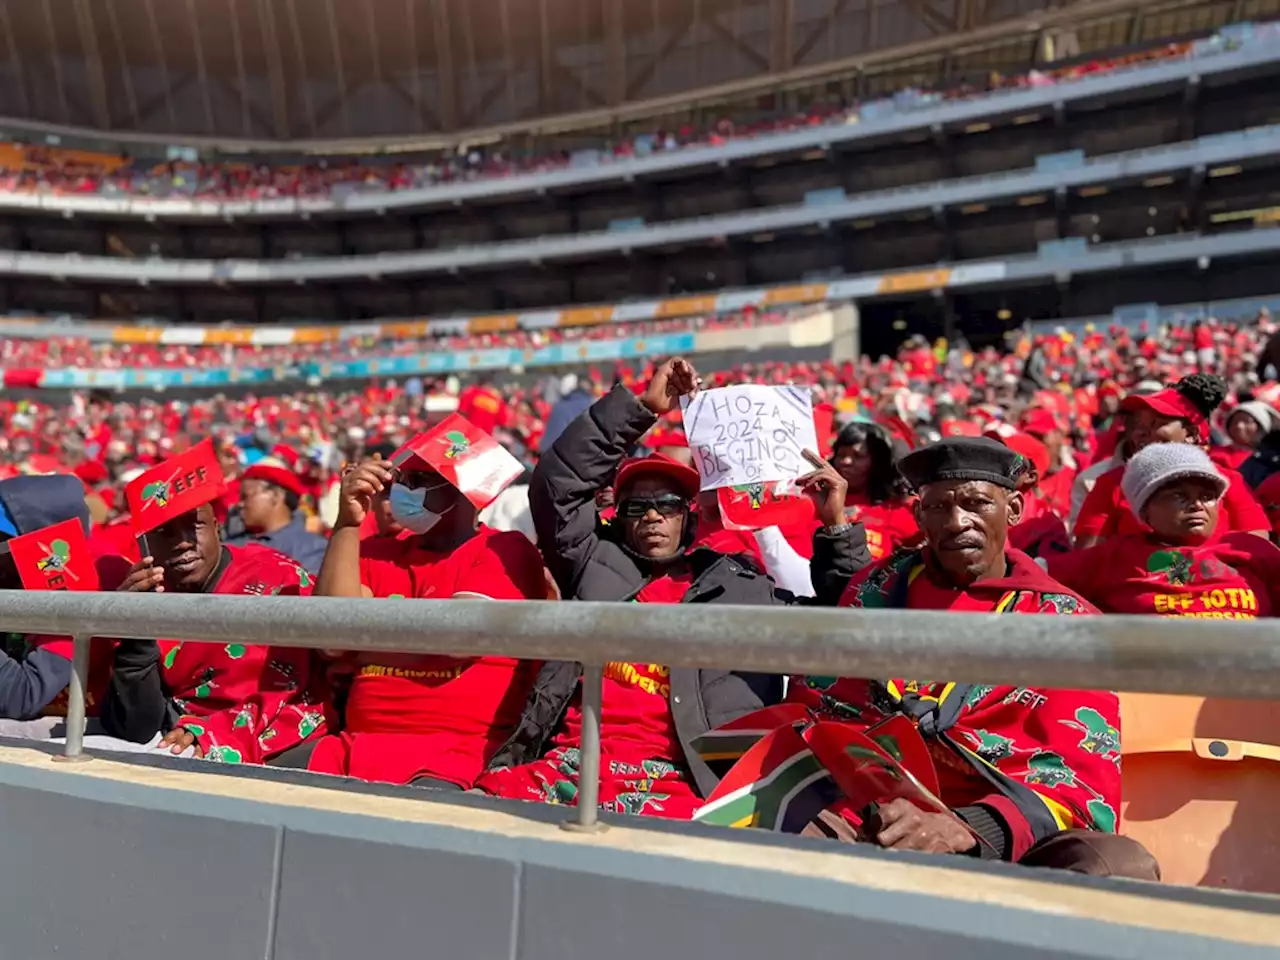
(141, 860)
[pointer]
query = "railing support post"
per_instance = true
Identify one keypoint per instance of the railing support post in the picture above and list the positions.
(588, 818)
(74, 751)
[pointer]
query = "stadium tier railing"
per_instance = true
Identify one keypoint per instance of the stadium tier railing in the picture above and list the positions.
(1138, 654)
(882, 118)
(1258, 143)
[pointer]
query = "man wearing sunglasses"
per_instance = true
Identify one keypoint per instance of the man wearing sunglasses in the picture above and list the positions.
(647, 555)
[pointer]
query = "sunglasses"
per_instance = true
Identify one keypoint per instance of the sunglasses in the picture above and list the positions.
(666, 505)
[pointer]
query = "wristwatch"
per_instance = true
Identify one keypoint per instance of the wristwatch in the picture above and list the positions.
(837, 529)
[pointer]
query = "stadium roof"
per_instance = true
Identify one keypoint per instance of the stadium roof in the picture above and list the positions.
(335, 70)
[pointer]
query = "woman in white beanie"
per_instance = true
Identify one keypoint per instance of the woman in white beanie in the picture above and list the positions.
(1246, 426)
(1183, 565)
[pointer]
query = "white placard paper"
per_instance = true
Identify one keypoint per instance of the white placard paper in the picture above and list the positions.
(750, 434)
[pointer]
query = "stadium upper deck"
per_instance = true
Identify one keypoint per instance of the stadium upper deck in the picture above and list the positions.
(1176, 146)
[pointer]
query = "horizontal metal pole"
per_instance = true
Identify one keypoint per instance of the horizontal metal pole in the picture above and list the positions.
(1139, 654)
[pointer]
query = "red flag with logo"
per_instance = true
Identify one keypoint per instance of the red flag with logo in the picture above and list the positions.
(754, 506)
(174, 487)
(466, 456)
(55, 558)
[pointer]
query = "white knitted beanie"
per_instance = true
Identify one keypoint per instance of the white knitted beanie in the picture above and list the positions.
(1265, 415)
(1154, 466)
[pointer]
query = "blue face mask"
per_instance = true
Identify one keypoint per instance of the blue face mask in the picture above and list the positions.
(408, 510)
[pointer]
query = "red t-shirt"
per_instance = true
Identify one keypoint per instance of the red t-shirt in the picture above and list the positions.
(484, 407)
(1230, 457)
(888, 525)
(436, 716)
(1269, 493)
(1236, 577)
(1106, 512)
(635, 713)
(1055, 490)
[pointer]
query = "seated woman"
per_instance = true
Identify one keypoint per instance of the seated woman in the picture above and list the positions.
(879, 498)
(1177, 414)
(1246, 426)
(1179, 567)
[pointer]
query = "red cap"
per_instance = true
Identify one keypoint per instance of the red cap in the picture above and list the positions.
(1109, 388)
(685, 478)
(1169, 403)
(1038, 421)
(286, 454)
(1030, 448)
(270, 470)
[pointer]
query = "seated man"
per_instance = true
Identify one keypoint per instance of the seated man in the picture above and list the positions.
(269, 496)
(1035, 772)
(650, 712)
(229, 702)
(35, 670)
(422, 719)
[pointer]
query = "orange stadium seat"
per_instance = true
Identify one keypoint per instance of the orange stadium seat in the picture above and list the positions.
(1201, 780)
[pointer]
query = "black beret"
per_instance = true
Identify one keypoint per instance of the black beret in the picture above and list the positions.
(963, 458)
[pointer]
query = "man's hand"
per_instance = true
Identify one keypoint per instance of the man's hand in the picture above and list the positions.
(355, 496)
(177, 740)
(827, 489)
(674, 379)
(904, 826)
(144, 577)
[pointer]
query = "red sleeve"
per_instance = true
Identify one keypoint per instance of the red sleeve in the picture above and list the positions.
(1269, 493)
(508, 567)
(1097, 515)
(1079, 570)
(379, 569)
(1244, 512)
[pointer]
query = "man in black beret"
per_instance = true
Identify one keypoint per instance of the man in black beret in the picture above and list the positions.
(1034, 773)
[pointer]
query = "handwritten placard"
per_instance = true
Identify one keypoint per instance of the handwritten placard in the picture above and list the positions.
(750, 434)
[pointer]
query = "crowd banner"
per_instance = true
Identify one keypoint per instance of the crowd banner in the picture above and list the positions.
(1137, 654)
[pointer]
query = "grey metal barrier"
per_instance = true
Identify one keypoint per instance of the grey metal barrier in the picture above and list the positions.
(1239, 659)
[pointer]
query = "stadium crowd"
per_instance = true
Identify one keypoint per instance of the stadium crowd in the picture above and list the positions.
(46, 169)
(83, 353)
(1118, 471)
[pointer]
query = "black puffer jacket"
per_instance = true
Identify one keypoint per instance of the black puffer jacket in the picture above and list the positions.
(589, 564)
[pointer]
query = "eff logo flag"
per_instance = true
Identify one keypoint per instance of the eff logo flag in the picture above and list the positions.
(466, 456)
(55, 558)
(175, 487)
(755, 506)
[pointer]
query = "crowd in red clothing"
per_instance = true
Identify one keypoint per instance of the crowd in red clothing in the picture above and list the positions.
(83, 353)
(51, 170)
(923, 391)
(944, 479)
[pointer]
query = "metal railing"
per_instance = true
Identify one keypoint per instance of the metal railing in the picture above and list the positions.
(1240, 659)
